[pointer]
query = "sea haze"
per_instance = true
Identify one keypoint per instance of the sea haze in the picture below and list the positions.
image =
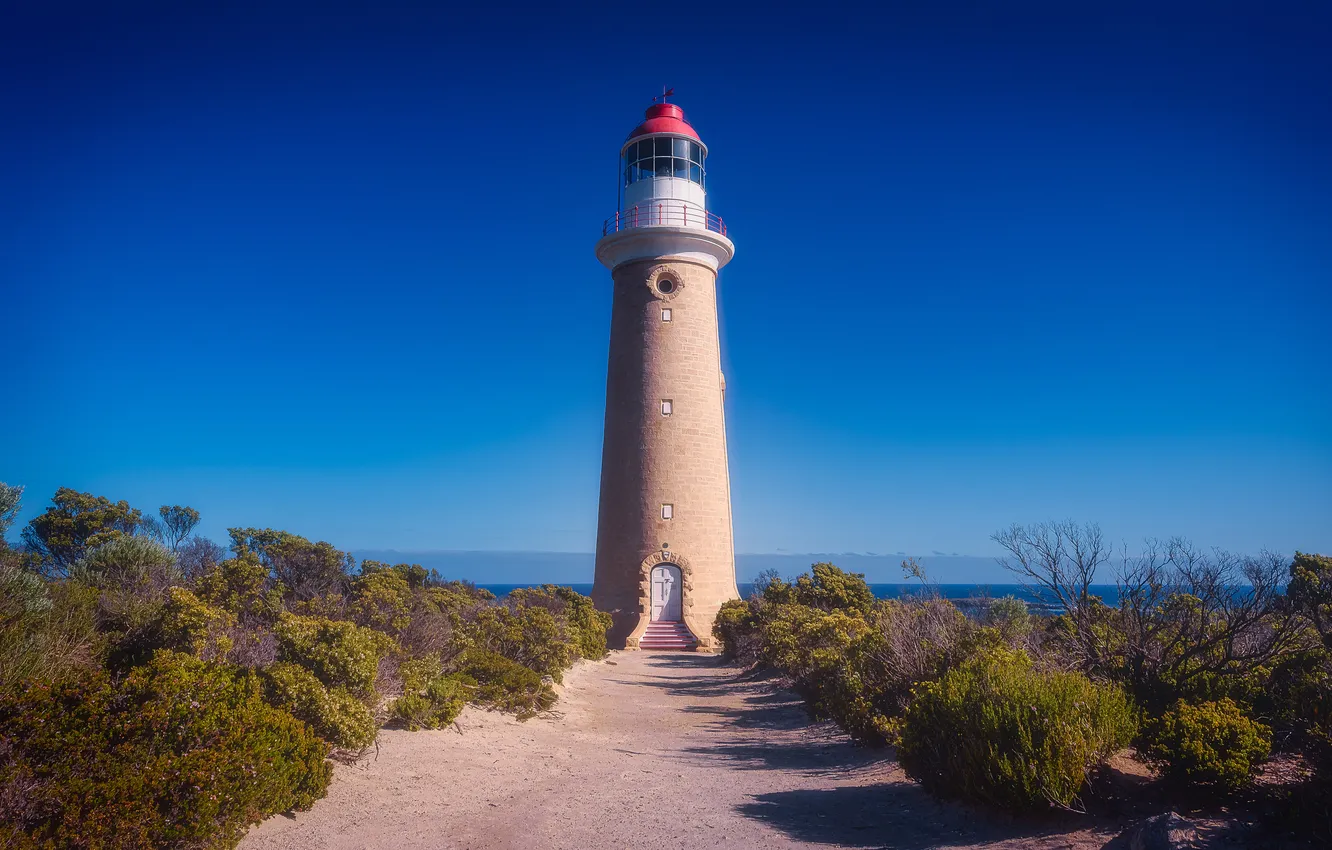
(575, 568)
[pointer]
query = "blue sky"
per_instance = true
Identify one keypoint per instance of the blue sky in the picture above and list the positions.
(332, 271)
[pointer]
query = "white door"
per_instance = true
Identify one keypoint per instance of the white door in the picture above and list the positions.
(666, 593)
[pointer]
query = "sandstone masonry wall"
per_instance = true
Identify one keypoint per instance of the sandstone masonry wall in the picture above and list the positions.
(649, 459)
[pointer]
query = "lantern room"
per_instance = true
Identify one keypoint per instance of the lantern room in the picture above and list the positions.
(663, 171)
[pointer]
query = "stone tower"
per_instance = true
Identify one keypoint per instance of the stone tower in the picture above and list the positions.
(665, 561)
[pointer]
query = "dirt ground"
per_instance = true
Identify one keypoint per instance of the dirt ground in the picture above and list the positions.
(648, 750)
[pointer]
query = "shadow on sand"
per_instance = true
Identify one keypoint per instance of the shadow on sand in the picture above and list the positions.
(894, 815)
(770, 730)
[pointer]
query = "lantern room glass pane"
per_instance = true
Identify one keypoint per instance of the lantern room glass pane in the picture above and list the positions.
(663, 166)
(681, 168)
(681, 148)
(663, 147)
(631, 152)
(695, 152)
(695, 173)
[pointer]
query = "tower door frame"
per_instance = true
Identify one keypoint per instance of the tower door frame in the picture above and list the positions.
(666, 594)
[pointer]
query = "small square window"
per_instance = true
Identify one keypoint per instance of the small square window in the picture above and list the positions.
(665, 314)
(665, 407)
(667, 511)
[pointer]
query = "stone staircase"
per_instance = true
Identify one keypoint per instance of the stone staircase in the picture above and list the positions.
(662, 635)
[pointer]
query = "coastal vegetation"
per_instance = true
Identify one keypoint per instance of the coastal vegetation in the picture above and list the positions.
(159, 690)
(1207, 663)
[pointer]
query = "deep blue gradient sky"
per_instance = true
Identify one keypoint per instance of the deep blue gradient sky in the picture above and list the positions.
(332, 270)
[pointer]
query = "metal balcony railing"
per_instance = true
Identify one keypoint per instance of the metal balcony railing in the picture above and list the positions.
(655, 215)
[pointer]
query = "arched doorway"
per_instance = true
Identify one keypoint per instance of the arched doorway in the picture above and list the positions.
(666, 593)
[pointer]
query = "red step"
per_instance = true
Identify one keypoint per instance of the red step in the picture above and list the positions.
(667, 635)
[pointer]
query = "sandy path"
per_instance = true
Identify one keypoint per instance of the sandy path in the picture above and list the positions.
(660, 750)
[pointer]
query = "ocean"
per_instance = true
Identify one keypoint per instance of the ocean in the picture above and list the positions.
(964, 595)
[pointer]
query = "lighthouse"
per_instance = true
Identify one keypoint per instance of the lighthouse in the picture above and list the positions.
(665, 559)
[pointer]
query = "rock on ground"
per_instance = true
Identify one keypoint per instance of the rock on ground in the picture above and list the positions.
(1166, 831)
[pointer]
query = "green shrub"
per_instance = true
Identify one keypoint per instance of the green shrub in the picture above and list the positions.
(433, 704)
(22, 593)
(430, 699)
(240, 585)
(434, 707)
(381, 599)
(995, 730)
(530, 636)
(181, 753)
(585, 626)
(805, 643)
(191, 625)
(75, 523)
(127, 562)
(302, 570)
(456, 596)
(339, 653)
(736, 629)
(919, 640)
(826, 587)
(132, 576)
(1210, 743)
(1310, 590)
(49, 638)
(504, 684)
(331, 713)
(853, 666)
(823, 653)
(1009, 614)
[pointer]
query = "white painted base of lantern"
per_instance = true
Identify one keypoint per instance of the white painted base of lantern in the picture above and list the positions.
(684, 243)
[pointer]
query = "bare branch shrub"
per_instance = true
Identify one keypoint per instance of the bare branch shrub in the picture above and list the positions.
(1185, 621)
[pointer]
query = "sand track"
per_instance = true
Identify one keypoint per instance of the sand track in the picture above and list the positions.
(646, 750)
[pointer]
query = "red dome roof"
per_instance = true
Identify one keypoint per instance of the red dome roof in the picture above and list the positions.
(664, 118)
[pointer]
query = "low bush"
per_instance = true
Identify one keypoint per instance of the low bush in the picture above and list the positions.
(1209, 743)
(127, 562)
(22, 593)
(242, 586)
(132, 576)
(191, 625)
(1009, 614)
(529, 635)
(506, 685)
(826, 587)
(434, 706)
(585, 626)
(331, 713)
(737, 629)
(48, 632)
(181, 753)
(430, 699)
(913, 641)
(811, 646)
(338, 653)
(381, 599)
(996, 730)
